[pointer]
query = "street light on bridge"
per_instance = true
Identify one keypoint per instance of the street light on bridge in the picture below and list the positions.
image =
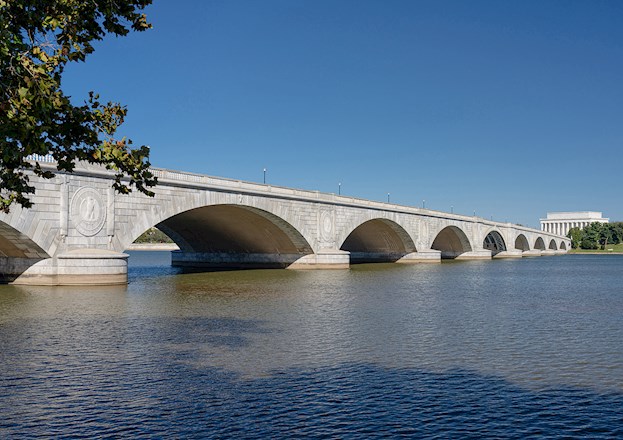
(264, 176)
(339, 189)
(387, 197)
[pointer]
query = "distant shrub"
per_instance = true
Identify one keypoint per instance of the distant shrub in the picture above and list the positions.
(153, 235)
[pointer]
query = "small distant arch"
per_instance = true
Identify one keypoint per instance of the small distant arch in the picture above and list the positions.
(552, 245)
(378, 240)
(452, 242)
(521, 243)
(563, 245)
(539, 244)
(494, 242)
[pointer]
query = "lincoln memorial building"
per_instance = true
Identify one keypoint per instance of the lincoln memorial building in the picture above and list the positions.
(561, 222)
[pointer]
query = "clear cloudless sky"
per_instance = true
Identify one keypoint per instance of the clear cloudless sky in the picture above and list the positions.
(506, 109)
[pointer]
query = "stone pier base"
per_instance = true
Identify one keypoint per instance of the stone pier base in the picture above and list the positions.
(81, 267)
(513, 253)
(548, 252)
(323, 259)
(431, 256)
(533, 253)
(474, 255)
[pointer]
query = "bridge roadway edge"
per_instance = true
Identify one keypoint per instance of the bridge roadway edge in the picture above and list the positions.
(77, 258)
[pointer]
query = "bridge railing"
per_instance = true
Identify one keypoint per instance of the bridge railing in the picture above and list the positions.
(48, 158)
(252, 187)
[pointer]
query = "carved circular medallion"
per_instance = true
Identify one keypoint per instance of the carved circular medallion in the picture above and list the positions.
(88, 212)
(326, 225)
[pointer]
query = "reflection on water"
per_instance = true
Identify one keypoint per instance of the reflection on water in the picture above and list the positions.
(497, 348)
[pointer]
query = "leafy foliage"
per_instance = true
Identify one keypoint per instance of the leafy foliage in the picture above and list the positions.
(38, 38)
(153, 235)
(596, 235)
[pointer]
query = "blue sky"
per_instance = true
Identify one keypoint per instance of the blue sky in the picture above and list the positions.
(508, 109)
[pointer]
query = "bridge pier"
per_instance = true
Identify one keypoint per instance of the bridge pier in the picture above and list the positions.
(80, 267)
(532, 253)
(430, 256)
(511, 253)
(484, 254)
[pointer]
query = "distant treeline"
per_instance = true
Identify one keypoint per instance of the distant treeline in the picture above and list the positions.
(153, 235)
(596, 235)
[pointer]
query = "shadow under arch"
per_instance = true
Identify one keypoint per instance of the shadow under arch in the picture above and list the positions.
(233, 236)
(494, 242)
(378, 240)
(552, 245)
(521, 243)
(563, 245)
(452, 242)
(18, 252)
(539, 244)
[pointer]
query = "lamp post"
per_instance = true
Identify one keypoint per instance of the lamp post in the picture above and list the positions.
(387, 197)
(264, 176)
(339, 189)
(451, 209)
(423, 204)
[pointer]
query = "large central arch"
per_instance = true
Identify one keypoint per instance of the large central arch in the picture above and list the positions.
(233, 236)
(452, 242)
(378, 240)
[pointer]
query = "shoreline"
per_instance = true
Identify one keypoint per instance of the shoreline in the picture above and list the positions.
(594, 253)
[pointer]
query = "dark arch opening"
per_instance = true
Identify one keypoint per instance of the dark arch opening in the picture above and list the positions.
(452, 242)
(232, 236)
(521, 243)
(378, 240)
(563, 245)
(17, 253)
(494, 242)
(539, 244)
(552, 245)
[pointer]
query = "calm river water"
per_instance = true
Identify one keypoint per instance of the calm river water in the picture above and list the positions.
(505, 348)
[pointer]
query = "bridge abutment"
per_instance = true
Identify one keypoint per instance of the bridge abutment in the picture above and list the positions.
(81, 267)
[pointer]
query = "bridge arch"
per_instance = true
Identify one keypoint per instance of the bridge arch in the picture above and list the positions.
(452, 242)
(18, 253)
(539, 244)
(378, 240)
(234, 236)
(494, 242)
(14, 243)
(552, 245)
(563, 246)
(521, 243)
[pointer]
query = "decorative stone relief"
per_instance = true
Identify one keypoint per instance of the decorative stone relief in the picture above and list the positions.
(87, 211)
(326, 226)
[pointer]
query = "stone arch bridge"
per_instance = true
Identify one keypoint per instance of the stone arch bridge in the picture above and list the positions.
(79, 227)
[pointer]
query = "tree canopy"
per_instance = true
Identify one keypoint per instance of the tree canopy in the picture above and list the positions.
(596, 235)
(38, 39)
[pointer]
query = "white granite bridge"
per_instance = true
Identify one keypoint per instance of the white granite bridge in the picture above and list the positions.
(79, 227)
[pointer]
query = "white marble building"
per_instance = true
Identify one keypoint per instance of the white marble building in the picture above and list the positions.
(560, 223)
